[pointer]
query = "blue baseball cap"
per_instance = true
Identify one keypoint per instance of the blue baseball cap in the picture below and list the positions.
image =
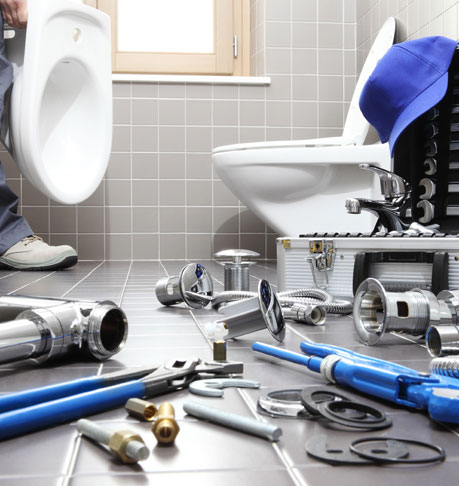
(408, 80)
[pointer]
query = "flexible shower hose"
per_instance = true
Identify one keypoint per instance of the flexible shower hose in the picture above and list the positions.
(288, 298)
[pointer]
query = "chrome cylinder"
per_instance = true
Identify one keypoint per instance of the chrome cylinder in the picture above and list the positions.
(442, 340)
(377, 311)
(445, 366)
(50, 327)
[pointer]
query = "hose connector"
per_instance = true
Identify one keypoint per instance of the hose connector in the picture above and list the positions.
(312, 314)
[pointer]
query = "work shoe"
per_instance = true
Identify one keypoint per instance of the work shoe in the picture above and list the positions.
(32, 253)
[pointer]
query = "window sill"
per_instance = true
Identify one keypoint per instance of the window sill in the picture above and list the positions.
(192, 79)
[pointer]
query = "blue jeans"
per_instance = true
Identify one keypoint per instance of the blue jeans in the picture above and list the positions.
(13, 227)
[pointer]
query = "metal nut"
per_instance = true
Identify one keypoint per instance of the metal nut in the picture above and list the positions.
(141, 409)
(119, 441)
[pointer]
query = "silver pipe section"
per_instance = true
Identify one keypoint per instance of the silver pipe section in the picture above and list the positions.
(377, 311)
(442, 340)
(41, 328)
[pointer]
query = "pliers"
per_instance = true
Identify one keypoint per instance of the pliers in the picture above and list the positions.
(35, 409)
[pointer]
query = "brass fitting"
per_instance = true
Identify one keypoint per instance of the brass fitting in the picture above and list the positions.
(118, 443)
(141, 409)
(165, 428)
(220, 350)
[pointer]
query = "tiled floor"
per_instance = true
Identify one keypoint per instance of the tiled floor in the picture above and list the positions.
(204, 454)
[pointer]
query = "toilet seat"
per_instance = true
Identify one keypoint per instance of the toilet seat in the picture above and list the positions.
(61, 102)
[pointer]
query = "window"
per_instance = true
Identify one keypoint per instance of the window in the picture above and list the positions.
(179, 36)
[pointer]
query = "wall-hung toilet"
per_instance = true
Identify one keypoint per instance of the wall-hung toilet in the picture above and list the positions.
(301, 186)
(60, 111)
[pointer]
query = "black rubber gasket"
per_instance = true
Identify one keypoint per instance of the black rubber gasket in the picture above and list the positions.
(377, 457)
(312, 396)
(374, 419)
(318, 448)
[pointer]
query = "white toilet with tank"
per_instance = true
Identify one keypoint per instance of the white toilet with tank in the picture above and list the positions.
(60, 111)
(301, 186)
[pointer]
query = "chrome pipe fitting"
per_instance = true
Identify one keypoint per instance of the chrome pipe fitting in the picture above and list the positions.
(55, 327)
(313, 314)
(377, 311)
(442, 340)
(237, 271)
(254, 314)
(193, 279)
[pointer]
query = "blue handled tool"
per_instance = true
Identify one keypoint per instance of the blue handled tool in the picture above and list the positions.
(439, 395)
(44, 407)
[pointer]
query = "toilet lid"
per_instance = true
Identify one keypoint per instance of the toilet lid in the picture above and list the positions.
(356, 126)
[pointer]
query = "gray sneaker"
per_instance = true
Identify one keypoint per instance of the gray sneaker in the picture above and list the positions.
(32, 253)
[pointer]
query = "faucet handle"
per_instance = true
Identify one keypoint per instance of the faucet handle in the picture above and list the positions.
(392, 185)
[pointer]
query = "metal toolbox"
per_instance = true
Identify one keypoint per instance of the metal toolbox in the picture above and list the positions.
(340, 263)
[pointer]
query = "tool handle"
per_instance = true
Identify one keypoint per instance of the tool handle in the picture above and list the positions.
(322, 350)
(31, 397)
(40, 416)
(313, 363)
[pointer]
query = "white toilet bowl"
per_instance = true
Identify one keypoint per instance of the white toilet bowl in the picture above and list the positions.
(301, 186)
(60, 126)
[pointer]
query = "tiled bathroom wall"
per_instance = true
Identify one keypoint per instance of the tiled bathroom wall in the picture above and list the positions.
(160, 197)
(415, 18)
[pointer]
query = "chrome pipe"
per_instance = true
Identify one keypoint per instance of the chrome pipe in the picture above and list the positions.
(377, 311)
(41, 328)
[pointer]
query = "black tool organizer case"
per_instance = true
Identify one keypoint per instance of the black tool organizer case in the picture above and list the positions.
(427, 156)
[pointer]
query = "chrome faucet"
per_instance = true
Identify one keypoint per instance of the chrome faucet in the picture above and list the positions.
(396, 192)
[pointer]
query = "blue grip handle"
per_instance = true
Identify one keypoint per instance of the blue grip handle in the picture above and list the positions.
(31, 397)
(318, 349)
(313, 363)
(24, 420)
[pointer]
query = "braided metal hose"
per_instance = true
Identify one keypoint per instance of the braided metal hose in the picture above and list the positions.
(289, 298)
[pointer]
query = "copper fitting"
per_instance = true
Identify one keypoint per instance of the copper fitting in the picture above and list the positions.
(165, 428)
(141, 409)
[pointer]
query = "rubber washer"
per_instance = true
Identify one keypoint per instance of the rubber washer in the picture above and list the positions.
(374, 419)
(378, 457)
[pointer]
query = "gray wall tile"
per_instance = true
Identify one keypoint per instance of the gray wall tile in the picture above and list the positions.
(145, 219)
(118, 192)
(172, 220)
(91, 247)
(118, 247)
(172, 139)
(144, 111)
(172, 193)
(119, 166)
(145, 247)
(144, 138)
(199, 220)
(118, 220)
(172, 166)
(91, 220)
(199, 193)
(144, 192)
(172, 247)
(144, 165)
(63, 219)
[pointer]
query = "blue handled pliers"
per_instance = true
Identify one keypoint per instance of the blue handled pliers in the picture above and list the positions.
(437, 394)
(39, 408)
